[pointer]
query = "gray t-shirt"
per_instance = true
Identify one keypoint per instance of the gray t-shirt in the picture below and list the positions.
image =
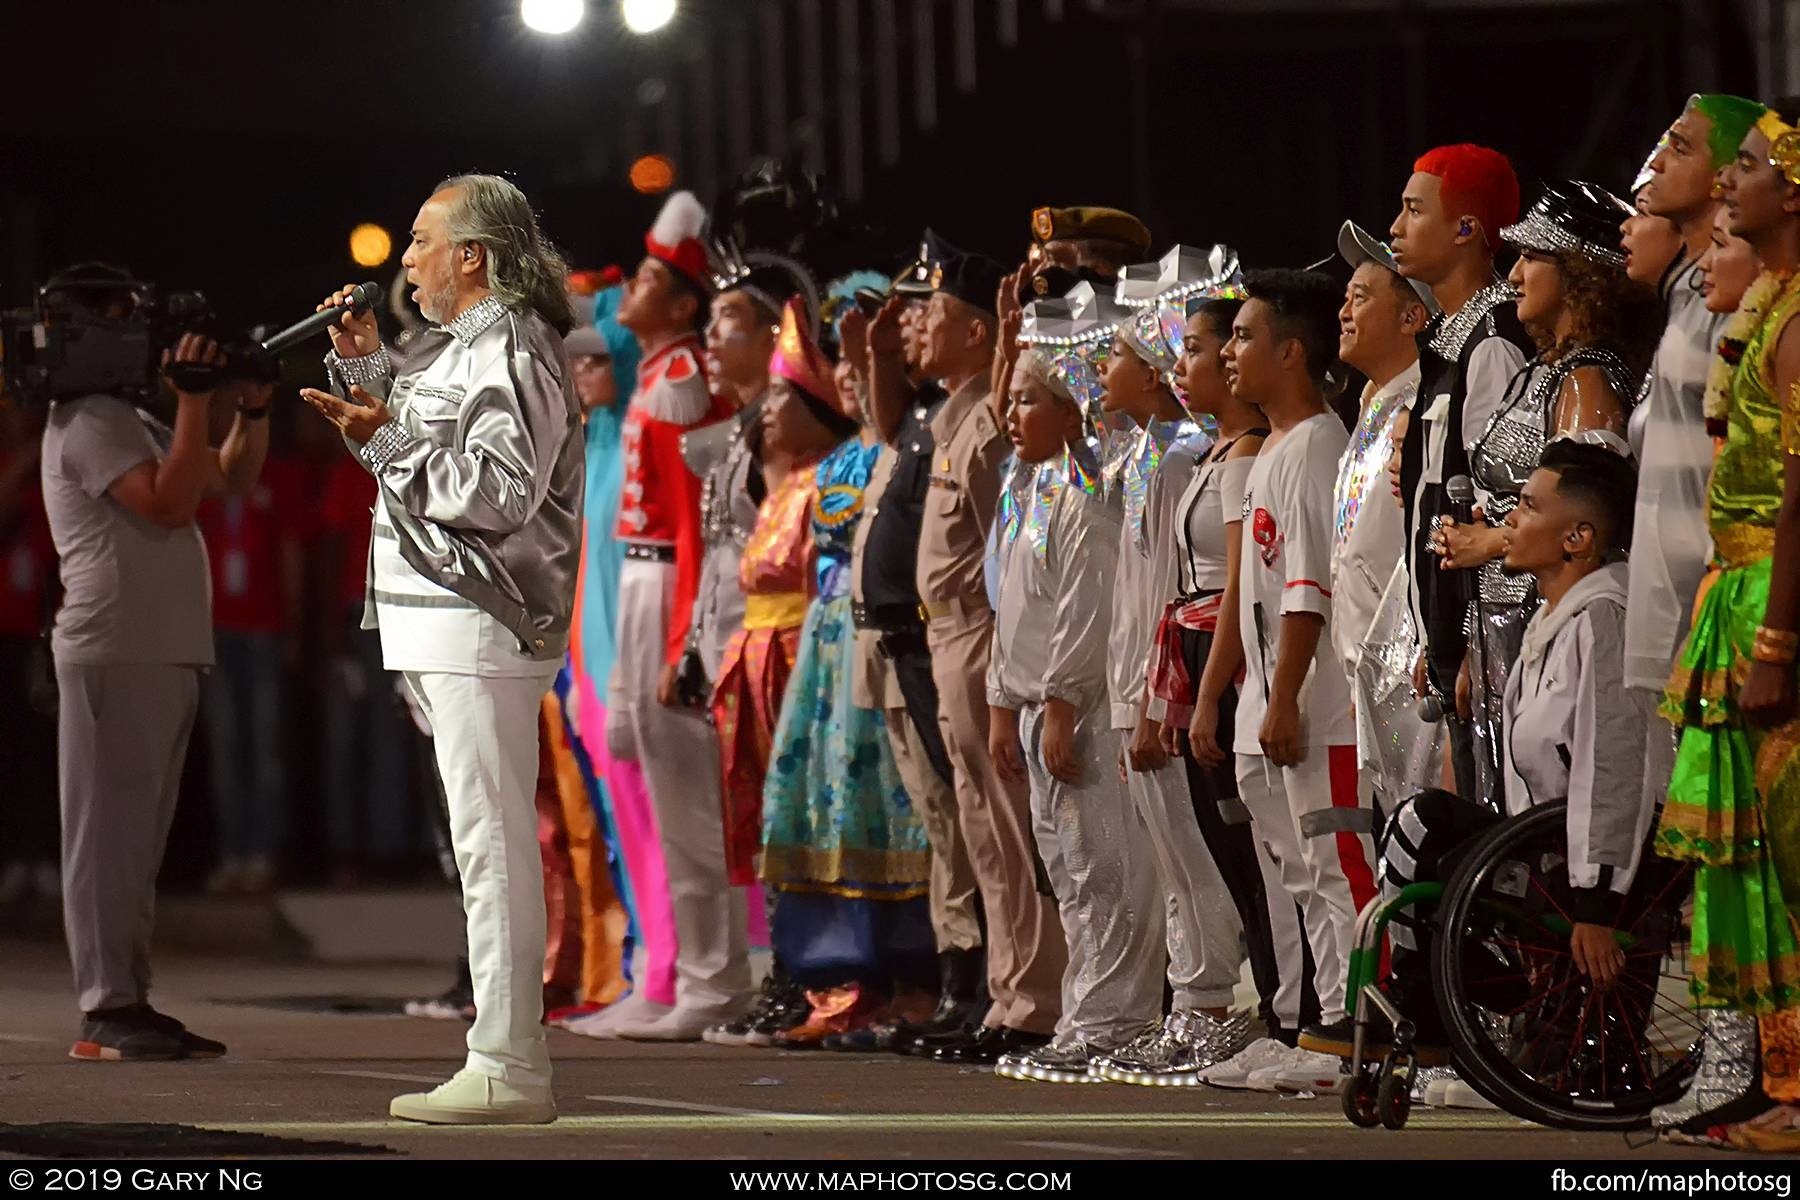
(133, 591)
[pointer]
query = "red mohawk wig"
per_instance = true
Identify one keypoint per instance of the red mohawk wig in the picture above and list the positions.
(1477, 181)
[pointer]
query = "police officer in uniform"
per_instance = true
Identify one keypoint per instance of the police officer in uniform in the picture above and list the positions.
(1026, 955)
(894, 666)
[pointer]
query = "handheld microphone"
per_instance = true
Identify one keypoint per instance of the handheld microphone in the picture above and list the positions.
(361, 298)
(1459, 490)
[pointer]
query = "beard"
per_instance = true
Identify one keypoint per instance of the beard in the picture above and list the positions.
(436, 305)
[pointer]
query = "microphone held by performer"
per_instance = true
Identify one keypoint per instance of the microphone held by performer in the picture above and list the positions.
(359, 300)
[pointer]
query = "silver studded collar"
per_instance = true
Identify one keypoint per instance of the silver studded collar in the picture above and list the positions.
(475, 319)
(1448, 342)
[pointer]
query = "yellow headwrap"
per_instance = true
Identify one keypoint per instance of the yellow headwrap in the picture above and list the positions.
(1784, 145)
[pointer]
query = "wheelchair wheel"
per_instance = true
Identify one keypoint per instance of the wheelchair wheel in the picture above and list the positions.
(1527, 1028)
(1393, 1101)
(1359, 1094)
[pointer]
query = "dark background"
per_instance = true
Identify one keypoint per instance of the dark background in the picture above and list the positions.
(231, 146)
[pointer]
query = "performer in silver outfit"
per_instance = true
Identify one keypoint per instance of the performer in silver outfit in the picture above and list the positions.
(475, 442)
(1584, 313)
(1201, 938)
(1047, 689)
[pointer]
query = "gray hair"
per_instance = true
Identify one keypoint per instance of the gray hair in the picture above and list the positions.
(524, 270)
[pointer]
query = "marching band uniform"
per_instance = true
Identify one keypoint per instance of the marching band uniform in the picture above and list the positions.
(659, 522)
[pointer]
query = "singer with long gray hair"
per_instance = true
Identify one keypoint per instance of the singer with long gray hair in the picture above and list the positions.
(474, 439)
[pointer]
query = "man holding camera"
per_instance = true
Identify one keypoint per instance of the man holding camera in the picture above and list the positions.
(474, 440)
(132, 638)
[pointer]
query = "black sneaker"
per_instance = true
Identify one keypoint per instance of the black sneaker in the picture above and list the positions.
(457, 1003)
(736, 1032)
(1337, 1038)
(788, 1009)
(125, 1035)
(192, 1044)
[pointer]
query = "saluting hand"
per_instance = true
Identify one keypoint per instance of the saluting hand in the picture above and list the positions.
(853, 334)
(884, 331)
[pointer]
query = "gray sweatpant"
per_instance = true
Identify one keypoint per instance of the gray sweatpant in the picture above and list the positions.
(123, 737)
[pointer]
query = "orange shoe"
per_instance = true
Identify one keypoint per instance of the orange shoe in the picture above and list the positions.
(834, 1010)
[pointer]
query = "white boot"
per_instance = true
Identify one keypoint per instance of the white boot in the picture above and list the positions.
(470, 1098)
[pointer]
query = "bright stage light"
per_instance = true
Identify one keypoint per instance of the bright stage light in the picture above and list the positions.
(652, 173)
(370, 245)
(552, 16)
(647, 16)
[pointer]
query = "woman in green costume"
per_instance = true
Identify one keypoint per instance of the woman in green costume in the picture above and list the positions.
(1734, 801)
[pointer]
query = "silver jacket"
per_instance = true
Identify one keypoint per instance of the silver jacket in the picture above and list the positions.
(481, 469)
(1150, 483)
(1050, 632)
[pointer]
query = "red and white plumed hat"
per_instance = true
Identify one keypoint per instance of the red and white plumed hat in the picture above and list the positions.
(675, 240)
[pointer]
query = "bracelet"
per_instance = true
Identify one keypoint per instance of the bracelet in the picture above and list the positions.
(1778, 647)
(254, 414)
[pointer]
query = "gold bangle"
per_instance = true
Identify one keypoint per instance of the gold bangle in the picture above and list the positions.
(1778, 647)
(1787, 639)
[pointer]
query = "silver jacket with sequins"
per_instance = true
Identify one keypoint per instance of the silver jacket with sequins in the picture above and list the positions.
(481, 468)
(1050, 632)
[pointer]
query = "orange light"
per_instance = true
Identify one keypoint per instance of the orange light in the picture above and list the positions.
(370, 245)
(652, 173)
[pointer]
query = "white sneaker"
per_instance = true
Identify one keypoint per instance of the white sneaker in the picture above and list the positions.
(605, 1023)
(1307, 1071)
(470, 1098)
(1458, 1094)
(1234, 1073)
(1429, 1084)
(673, 1025)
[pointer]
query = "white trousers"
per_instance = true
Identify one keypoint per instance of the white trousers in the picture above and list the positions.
(1312, 819)
(485, 735)
(679, 754)
(1285, 931)
(1200, 922)
(1097, 854)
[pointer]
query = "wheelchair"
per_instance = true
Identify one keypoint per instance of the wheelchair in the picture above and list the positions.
(1526, 1028)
